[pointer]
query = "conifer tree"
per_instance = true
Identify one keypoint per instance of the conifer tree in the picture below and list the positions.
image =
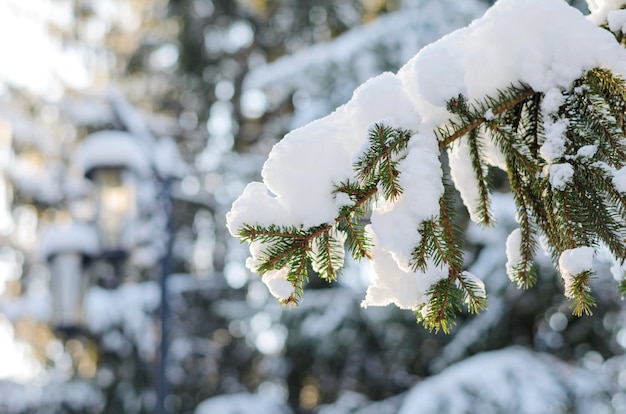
(547, 108)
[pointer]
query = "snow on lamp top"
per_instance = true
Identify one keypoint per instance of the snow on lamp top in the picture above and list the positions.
(112, 148)
(70, 237)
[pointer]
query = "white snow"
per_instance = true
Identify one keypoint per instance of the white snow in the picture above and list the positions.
(396, 224)
(507, 380)
(560, 175)
(554, 146)
(572, 262)
(513, 252)
(552, 100)
(304, 167)
(617, 21)
(587, 151)
(241, 403)
(72, 237)
(619, 179)
(463, 178)
(618, 270)
(112, 148)
(480, 285)
(545, 44)
(601, 9)
(395, 284)
(276, 281)
(130, 307)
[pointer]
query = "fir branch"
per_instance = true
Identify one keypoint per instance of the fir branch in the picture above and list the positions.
(378, 164)
(298, 275)
(451, 235)
(506, 100)
(426, 246)
(599, 219)
(532, 124)
(565, 219)
(445, 246)
(270, 233)
(359, 243)
(479, 167)
(611, 88)
(590, 208)
(328, 252)
(524, 272)
(281, 253)
(591, 124)
(603, 183)
(473, 295)
(511, 145)
(578, 289)
(544, 205)
(440, 312)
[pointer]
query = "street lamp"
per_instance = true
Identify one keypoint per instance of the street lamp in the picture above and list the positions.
(66, 247)
(114, 161)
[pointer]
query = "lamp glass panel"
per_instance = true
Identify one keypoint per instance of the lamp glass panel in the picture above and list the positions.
(68, 288)
(116, 207)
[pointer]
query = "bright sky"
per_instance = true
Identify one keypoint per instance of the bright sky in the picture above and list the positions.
(30, 57)
(16, 361)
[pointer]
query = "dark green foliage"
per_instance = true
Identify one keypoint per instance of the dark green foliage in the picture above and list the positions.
(379, 163)
(444, 304)
(328, 255)
(579, 291)
(582, 208)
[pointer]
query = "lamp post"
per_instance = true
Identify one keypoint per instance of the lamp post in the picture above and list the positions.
(116, 162)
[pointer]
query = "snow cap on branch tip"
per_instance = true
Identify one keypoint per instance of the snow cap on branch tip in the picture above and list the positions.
(480, 285)
(573, 262)
(619, 180)
(560, 175)
(256, 206)
(277, 283)
(513, 253)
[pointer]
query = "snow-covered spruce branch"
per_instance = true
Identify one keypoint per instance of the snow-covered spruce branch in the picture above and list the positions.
(369, 176)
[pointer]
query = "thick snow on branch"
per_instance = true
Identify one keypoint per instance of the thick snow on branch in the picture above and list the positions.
(545, 44)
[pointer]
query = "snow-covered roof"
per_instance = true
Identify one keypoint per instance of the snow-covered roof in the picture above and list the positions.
(112, 148)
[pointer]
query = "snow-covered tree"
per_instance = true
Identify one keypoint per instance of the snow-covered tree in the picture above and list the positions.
(533, 88)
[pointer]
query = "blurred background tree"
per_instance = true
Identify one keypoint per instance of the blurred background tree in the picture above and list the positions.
(213, 85)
